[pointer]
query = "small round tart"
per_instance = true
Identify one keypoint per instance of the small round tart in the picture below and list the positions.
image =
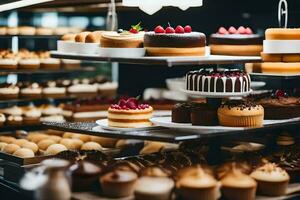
(174, 42)
(272, 180)
(238, 113)
(283, 34)
(228, 81)
(129, 114)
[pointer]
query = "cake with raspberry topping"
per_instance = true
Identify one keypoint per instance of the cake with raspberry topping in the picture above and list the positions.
(227, 81)
(279, 104)
(180, 41)
(128, 113)
(239, 42)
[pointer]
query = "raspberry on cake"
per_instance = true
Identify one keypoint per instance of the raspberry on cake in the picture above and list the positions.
(239, 42)
(128, 113)
(180, 41)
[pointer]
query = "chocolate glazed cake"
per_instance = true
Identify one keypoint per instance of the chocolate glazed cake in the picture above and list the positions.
(218, 81)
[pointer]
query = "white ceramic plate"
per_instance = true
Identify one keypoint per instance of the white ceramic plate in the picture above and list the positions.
(175, 84)
(77, 47)
(215, 95)
(167, 122)
(257, 84)
(122, 52)
(103, 123)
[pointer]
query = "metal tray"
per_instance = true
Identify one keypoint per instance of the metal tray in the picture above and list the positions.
(277, 81)
(165, 61)
(168, 135)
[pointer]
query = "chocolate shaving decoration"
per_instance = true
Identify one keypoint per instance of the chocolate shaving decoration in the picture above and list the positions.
(241, 104)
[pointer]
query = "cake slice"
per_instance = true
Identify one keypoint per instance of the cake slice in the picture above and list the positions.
(128, 113)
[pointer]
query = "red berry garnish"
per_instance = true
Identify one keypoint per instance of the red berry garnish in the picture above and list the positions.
(232, 30)
(222, 30)
(179, 29)
(122, 102)
(170, 30)
(134, 31)
(136, 28)
(159, 29)
(187, 29)
(279, 93)
(241, 30)
(248, 31)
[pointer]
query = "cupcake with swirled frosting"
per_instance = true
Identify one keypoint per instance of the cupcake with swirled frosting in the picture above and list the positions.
(272, 180)
(196, 183)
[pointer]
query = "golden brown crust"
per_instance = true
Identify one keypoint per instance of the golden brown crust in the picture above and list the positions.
(237, 50)
(161, 51)
(280, 57)
(236, 117)
(94, 37)
(283, 34)
(80, 37)
(277, 68)
(69, 37)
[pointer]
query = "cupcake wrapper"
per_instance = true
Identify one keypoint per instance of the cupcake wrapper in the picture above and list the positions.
(272, 188)
(239, 193)
(199, 194)
(241, 121)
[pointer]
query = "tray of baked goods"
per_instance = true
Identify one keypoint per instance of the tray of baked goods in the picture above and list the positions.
(245, 169)
(168, 47)
(26, 148)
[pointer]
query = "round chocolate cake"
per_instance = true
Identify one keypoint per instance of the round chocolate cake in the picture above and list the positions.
(174, 42)
(186, 40)
(218, 81)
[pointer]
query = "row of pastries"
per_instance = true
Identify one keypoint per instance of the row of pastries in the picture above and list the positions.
(30, 30)
(59, 88)
(25, 59)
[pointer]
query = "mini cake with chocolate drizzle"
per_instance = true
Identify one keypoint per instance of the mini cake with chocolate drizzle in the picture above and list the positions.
(128, 113)
(238, 113)
(180, 41)
(239, 42)
(217, 81)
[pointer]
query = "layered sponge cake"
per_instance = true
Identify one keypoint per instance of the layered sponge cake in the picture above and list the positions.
(128, 113)
(281, 52)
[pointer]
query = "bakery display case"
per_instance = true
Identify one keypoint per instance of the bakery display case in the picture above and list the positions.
(85, 112)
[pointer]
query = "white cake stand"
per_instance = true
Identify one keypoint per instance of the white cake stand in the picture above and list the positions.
(215, 94)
